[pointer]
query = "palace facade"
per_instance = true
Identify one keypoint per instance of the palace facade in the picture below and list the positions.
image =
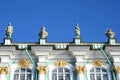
(74, 60)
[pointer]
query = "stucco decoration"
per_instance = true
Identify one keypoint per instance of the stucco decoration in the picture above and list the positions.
(41, 69)
(43, 33)
(117, 69)
(97, 63)
(80, 69)
(9, 31)
(77, 31)
(23, 63)
(4, 70)
(60, 63)
(109, 33)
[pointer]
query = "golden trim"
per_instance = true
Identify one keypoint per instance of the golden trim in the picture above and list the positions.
(97, 63)
(4, 70)
(117, 69)
(80, 69)
(23, 63)
(60, 63)
(41, 69)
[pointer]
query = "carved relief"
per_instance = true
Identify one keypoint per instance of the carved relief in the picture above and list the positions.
(80, 69)
(117, 69)
(60, 63)
(4, 70)
(97, 63)
(41, 69)
(23, 63)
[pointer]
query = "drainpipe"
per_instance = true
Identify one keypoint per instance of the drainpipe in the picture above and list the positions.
(109, 62)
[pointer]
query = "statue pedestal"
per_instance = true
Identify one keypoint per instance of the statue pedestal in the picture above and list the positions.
(77, 41)
(42, 41)
(7, 41)
(112, 41)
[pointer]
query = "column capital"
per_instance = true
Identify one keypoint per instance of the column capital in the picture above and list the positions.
(80, 69)
(4, 70)
(41, 69)
(117, 69)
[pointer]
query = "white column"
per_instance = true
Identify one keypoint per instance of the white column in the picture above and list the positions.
(42, 71)
(117, 71)
(80, 72)
(3, 73)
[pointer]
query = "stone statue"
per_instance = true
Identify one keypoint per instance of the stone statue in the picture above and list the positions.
(109, 33)
(9, 30)
(43, 34)
(77, 31)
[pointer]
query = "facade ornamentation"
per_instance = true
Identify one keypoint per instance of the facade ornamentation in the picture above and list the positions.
(117, 69)
(41, 69)
(97, 63)
(43, 34)
(77, 31)
(109, 33)
(80, 69)
(4, 70)
(9, 30)
(60, 63)
(23, 63)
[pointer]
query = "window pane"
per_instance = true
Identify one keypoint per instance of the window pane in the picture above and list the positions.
(22, 77)
(16, 76)
(67, 77)
(92, 70)
(54, 77)
(92, 77)
(28, 76)
(22, 69)
(60, 77)
(97, 69)
(105, 77)
(98, 77)
(103, 70)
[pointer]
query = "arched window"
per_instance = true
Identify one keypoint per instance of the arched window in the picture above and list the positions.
(61, 74)
(98, 74)
(22, 74)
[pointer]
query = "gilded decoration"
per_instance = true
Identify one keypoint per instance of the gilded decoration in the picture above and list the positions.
(117, 69)
(60, 63)
(80, 69)
(97, 63)
(41, 69)
(23, 63)
(4, 70)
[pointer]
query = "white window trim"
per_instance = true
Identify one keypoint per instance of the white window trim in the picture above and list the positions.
(68, 66)
(15, 67)
(105, 66)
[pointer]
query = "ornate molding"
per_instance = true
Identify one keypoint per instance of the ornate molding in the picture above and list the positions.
(4, 70)
(23, 63)
(60, 63)
(41, 69)
(117, 69)
(80, 69)
(97, 63)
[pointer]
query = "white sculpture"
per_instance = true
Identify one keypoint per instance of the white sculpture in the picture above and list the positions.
(43, 34)
(9, 30)
(109, 33)
(77, 31)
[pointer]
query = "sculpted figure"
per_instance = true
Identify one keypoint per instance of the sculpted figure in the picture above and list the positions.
(77, 31)
(109, 33)
(43, 34)
(9, 30)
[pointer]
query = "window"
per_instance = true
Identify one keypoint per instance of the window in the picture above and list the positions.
(98, 74)
(61, 74)
(22, 74)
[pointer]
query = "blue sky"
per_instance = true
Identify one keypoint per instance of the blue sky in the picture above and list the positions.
(60, 17)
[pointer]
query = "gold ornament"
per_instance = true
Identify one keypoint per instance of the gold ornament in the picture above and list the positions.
(4, 70)
(80, 69)
(23, 63)
(97, 63)
(41, 69)
(60, 63)
(117, 69)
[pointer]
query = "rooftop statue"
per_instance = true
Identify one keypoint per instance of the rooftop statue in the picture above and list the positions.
(77, 31)
(9, 30)
(109, 33)
(43, 34)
